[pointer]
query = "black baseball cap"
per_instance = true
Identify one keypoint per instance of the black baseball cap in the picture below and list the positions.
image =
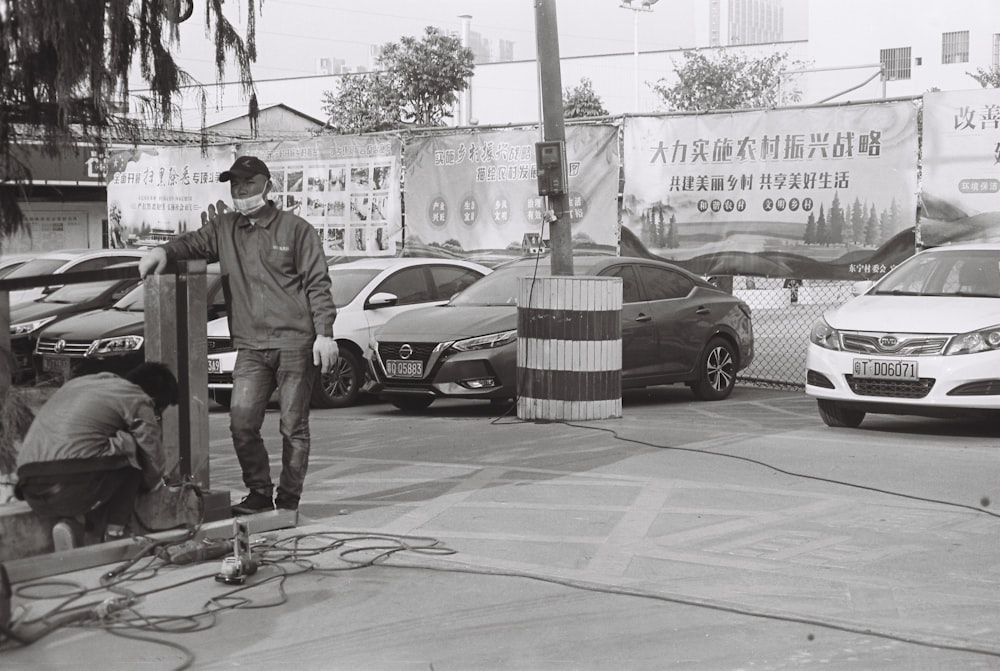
(246, 166)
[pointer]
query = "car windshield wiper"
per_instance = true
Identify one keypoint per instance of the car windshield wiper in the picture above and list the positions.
(898, 292)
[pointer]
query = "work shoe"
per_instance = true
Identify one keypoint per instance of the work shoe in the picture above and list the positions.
(65, 536)
(286, 503)
(253, 503)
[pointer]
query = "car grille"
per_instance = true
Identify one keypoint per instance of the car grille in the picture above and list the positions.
(906, 344)
(421, 350)
(890, 388)
(77, 348)
(220, 345)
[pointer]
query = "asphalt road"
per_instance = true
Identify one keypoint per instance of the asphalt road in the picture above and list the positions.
(743, 534)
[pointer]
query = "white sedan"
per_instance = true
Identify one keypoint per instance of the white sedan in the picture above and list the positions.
(924, 340)
(367, 293)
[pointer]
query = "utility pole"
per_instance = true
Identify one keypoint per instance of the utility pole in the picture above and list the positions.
(553, 130)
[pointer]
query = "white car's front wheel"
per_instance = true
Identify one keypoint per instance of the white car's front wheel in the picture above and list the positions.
(835, 414)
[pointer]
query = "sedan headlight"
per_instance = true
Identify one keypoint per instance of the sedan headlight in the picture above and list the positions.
(486, 341)
(984, 340)
(824, 335)
(24, 328)
(119, 345)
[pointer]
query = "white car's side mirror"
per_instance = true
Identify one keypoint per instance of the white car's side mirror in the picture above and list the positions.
(382, 299)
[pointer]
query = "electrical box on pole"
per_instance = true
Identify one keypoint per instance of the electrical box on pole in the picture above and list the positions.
(550, 160)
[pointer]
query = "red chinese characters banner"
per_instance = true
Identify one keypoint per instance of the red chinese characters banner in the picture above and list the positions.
(345, 186)
(961, 177)
(824, 192)
(475, 194)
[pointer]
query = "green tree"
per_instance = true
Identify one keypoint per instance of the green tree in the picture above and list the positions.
(69, 65)
(582, 101)
(417, 83)
(857, 222)
(836, 221)
(714, 80)
(364, 103)
(810, 235)
(988, 79)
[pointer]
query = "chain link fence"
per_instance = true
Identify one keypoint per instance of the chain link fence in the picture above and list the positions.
(783, 311)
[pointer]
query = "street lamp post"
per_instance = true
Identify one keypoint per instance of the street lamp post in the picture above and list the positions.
(637, 6)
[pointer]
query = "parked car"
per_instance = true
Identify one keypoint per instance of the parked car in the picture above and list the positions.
(10, 262)
(27, 319)
(676, 327)
(65, 261)
(923, 340)
(111, 339)
(367, 293)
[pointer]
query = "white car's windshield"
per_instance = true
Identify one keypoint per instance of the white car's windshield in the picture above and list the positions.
(347, 282)
(973, 273)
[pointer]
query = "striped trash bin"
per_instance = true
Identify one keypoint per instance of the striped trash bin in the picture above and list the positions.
(569, 348)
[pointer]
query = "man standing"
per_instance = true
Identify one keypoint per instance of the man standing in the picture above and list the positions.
(281, 316)
(90, 450)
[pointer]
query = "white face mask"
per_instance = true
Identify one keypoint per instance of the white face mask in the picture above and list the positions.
(248, 206)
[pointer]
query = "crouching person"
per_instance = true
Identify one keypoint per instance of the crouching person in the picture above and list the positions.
(93, 446)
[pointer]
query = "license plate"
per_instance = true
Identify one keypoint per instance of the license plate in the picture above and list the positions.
(401, 368)
(886, 369)
(55, 364)
(214, 366)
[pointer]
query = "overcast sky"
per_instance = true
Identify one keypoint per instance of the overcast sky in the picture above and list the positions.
(293, 34)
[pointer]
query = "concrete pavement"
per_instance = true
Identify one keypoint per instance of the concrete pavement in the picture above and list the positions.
(734, 535)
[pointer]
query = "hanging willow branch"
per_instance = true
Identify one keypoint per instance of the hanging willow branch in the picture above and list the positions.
(65, 68)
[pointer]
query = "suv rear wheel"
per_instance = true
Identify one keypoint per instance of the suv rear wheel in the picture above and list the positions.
(716, 371)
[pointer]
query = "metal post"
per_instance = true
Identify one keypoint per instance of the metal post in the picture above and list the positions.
(176, 312)
(635, 56)
(553, 127)
(6, 355)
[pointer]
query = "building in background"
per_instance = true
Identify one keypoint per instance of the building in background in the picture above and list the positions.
(733, 22)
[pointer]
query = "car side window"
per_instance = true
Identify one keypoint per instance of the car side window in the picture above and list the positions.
(92, 264)
(630, 285)
(662, 284)
(409, 285)
(449, 280)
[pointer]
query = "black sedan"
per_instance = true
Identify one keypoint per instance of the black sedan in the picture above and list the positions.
(111, 340)
(27, 319)
(676, 328)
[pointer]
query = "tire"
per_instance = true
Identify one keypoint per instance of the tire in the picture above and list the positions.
(341, 387)
(223, 397)
(716, 371)
(836, 415)
(411, 403)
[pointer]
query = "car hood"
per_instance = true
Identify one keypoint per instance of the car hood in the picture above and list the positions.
(26, 312)
(97, 324)
(447, 322)
(915, 314)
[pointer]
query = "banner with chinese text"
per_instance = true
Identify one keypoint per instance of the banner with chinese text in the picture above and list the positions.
(347, 187)
(475, 194)
(961, 177)
(824, 192)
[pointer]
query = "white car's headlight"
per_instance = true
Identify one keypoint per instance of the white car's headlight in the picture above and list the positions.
(984, 340)
(119, 345)
(486, 341)
(24, 328)
(824, 335)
